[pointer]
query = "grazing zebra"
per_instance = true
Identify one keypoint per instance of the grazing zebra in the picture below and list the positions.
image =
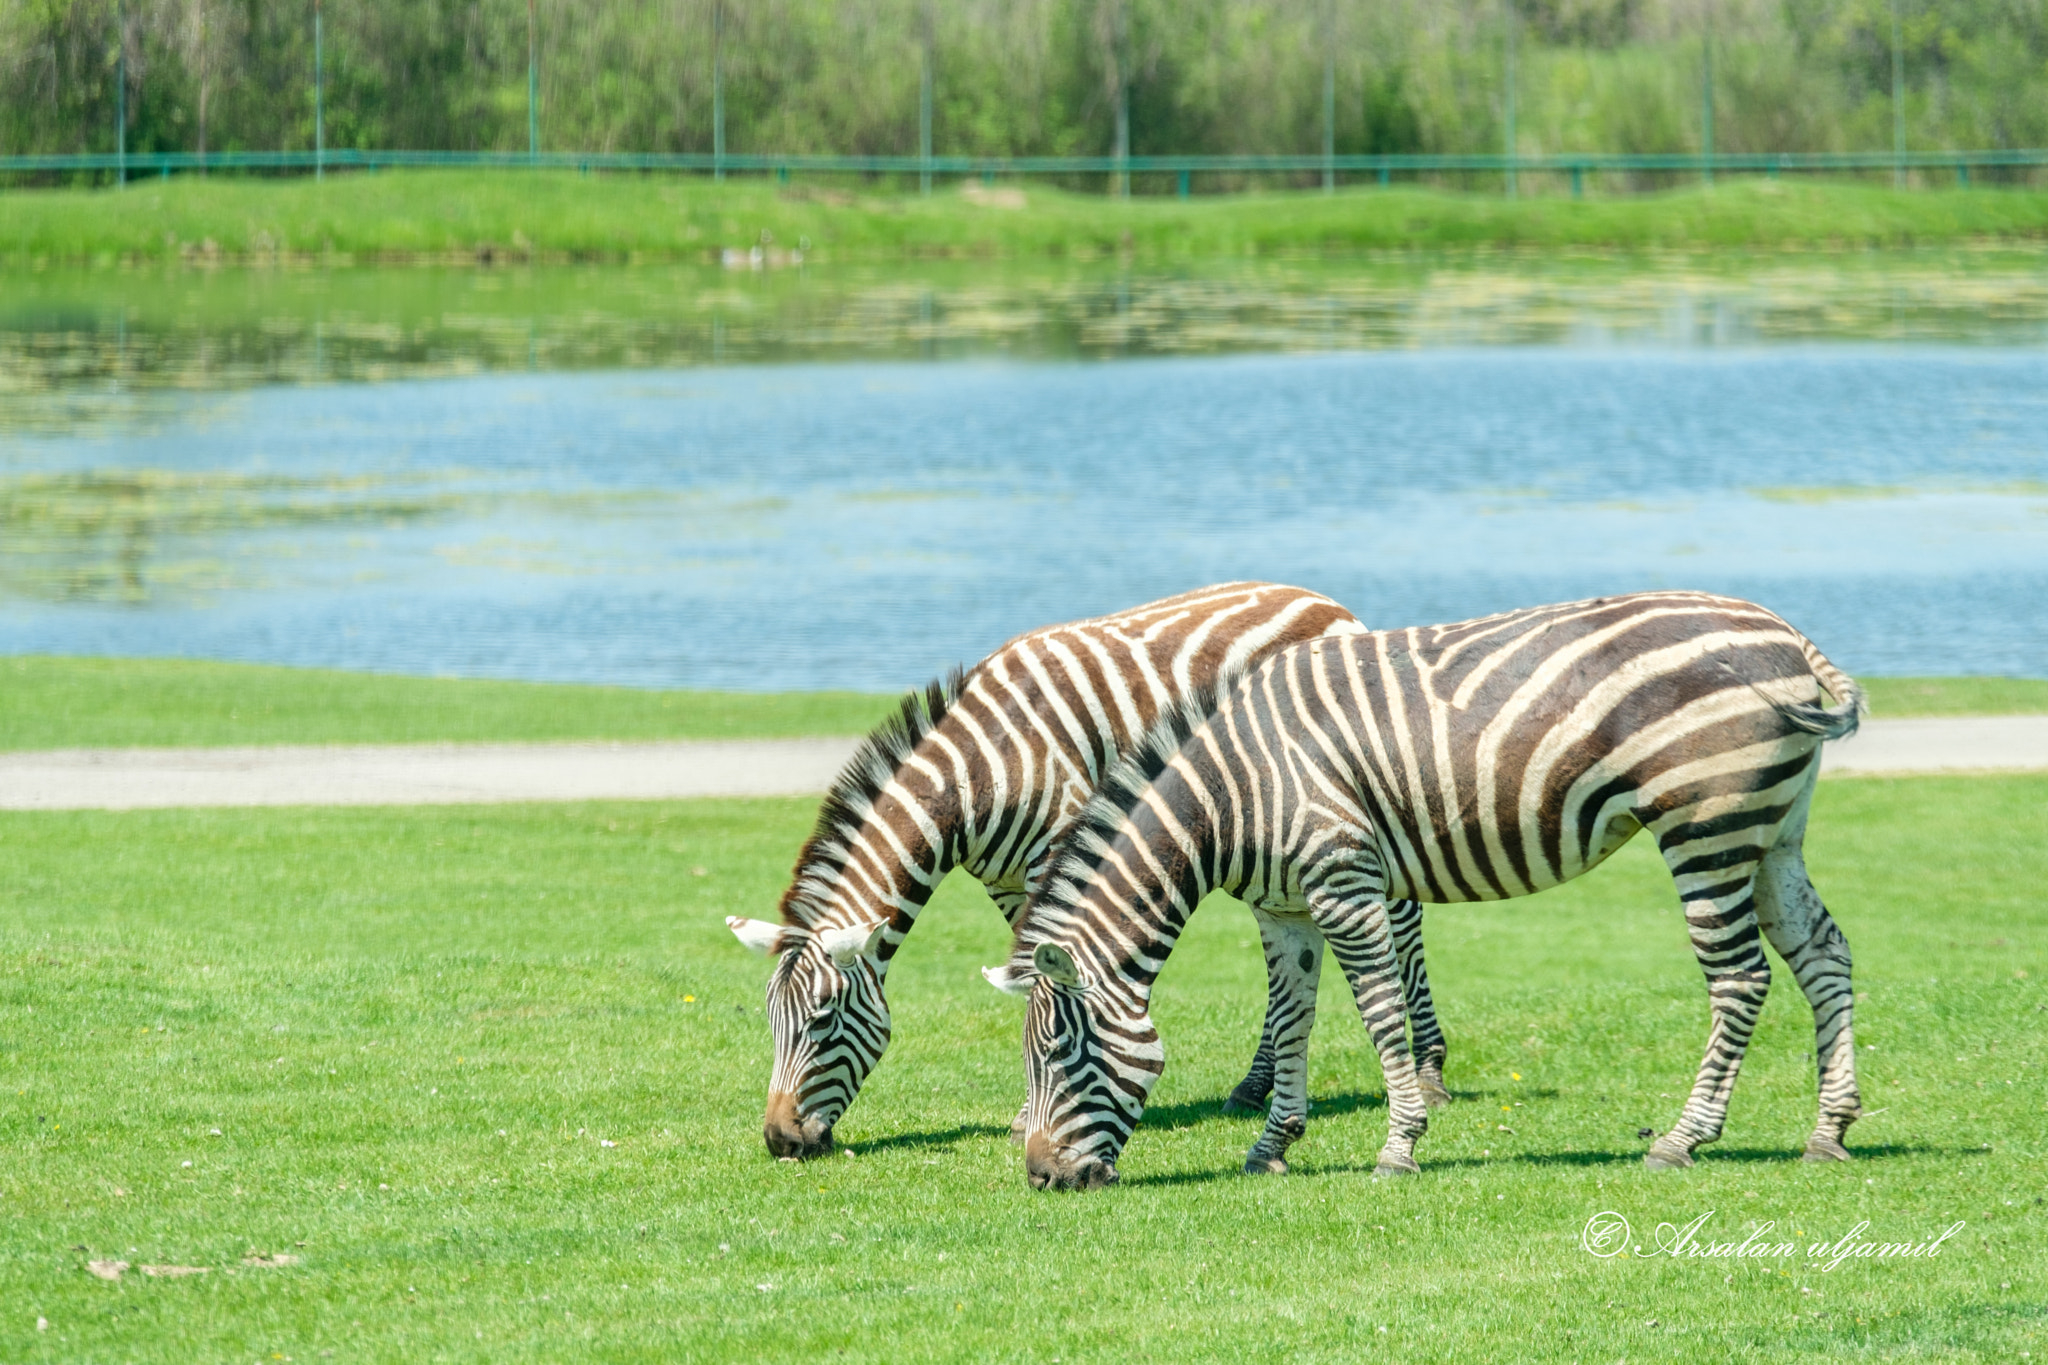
(1468, 762)
(986, 770)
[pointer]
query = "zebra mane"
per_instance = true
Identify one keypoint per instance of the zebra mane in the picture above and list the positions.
(1081, 850)
(864, 778)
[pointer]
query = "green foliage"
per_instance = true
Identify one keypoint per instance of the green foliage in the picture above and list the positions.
(396, 1043)
(61, 703)
(1018, 77)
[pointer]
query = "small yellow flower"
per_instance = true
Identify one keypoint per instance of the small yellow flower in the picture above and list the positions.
(1515, 1075)
(689, 1000)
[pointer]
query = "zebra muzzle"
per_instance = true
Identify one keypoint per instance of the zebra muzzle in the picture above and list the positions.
(1061, 1168)
(790, 1134)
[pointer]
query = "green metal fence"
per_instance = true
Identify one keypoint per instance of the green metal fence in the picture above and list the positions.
(1182, 169)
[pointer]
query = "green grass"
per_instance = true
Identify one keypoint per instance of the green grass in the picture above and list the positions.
(415, 1030)
(1956, 696)
(61, 703)
(442, 215)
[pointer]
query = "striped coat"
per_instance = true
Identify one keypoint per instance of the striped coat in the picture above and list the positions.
(1475, 761)
(985, 771)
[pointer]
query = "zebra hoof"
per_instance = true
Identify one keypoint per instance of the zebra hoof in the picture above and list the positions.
(1824, 1149)
(1264, 1165)
(1433, 1093)
(1245, 1100)
(1667, 1156)
(1391, 1167)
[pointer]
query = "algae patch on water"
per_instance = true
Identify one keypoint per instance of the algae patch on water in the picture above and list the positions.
(135, 536)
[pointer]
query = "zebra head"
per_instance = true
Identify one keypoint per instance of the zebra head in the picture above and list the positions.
(830, 1023)
(1091, 1057)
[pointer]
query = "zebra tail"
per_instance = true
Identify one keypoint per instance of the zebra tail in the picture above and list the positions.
(1829, 722)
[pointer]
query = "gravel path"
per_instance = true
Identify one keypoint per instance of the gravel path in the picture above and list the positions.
(467, 774)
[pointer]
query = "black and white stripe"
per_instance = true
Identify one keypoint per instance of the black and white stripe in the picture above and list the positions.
(1475, 761)
(986, 771)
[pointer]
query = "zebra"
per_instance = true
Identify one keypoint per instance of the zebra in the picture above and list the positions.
(1467, 762)
(985, 770)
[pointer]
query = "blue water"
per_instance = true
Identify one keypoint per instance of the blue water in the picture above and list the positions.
(865, 525)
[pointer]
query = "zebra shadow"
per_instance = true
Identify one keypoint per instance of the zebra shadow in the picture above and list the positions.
(1192, 1113)
(1305, 1166)
(942, 1139)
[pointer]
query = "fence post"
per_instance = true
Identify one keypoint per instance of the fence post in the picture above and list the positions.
(924, 112)
(532, 86)
(1120, 39)
(1508, 148)
(319, 102)
(1183, 182)
(1330, 115)
(1707, 99)
(718, 89)
(121, 94)
(1898, 104)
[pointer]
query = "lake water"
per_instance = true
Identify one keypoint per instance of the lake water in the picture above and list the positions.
(680, 479)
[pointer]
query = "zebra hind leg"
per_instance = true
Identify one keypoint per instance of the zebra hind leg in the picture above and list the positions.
(1283, 984)
(1358, 934)
(1806, 936)
(1404, 922)
(1720, 915)
(1289, 1017)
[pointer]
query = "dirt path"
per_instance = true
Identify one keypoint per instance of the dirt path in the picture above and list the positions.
(466, 774)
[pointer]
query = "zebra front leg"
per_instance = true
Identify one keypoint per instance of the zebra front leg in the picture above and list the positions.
(1358, 933)
(1726, 941)
(1011, 901)
(1806, 936)
(1289, 1018)
(1404, 922)
(1284, 972)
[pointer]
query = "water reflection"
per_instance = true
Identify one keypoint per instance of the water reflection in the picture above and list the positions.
(864, 524)
(83, 348)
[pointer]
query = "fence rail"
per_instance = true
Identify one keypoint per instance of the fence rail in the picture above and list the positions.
(1577, 165)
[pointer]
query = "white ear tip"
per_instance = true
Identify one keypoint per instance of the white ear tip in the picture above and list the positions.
(762, 937)
(993, 975)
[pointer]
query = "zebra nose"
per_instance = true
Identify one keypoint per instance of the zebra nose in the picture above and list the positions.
(1041, 1161)
(789, 1134)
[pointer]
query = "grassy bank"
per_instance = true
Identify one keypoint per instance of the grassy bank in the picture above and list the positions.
(440, 215)
(59, 703)
(495, 1076)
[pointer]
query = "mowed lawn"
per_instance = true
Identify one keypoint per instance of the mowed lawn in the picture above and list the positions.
(495, 1076)
(58, 702)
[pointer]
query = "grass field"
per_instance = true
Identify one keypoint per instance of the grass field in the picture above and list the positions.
(59, 703)
(441, 215)
(495, 1076)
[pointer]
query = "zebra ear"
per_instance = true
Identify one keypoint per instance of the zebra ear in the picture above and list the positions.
(764, 938)
(845, 946)
(1055, 963)
(1008, 979)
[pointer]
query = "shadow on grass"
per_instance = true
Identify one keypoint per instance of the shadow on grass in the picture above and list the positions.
(943, 1138)
(1194, 1112)
(1708, 1158)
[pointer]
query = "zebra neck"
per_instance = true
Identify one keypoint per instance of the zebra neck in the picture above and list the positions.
(886, 868)
(1137, 899)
